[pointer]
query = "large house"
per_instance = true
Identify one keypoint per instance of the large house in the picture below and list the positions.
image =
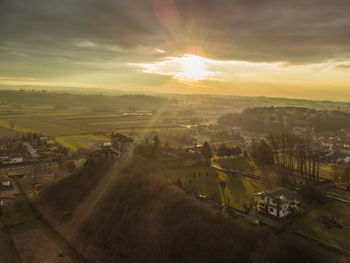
(4, 180)
(121, 144)
(279, 202)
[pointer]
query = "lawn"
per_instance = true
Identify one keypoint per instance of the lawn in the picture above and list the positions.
(206, 181)
(315, 223)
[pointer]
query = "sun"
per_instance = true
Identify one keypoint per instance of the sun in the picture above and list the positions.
(193, 68)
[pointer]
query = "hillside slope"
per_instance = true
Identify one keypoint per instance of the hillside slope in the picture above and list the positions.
(122, 213)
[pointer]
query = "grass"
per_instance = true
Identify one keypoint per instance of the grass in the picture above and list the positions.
(27, 184)
(35, 246)
(31, 235)
(311, 224)
(74, 142)
(8, 132)
(206, 181)
(238, 190)
(16, 128)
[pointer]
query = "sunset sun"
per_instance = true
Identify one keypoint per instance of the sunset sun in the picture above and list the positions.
(193, 68)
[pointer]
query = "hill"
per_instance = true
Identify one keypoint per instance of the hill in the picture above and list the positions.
(124, 212)
(266, 119)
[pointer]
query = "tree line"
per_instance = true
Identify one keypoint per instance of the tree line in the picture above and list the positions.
(297, 153)
(226, 151)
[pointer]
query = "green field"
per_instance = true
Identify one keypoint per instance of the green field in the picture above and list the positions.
(315, 223)
(206, 181)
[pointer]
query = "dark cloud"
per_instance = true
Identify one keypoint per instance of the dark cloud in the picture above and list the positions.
(53, 32)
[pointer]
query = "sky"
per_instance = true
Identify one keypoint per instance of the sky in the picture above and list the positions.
(296, 48)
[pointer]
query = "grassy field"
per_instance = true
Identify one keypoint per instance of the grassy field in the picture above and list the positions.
(35, 242)
(317, 223)
(74, 142)
(35, 246)
(206, 181)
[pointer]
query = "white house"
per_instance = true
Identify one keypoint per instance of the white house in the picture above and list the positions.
(278, 202)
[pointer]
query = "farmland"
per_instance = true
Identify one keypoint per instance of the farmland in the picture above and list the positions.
(77, 127)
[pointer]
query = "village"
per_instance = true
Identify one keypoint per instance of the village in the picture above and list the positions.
(239, 172)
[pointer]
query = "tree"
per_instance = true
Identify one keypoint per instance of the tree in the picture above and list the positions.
(206, 153)
(346, 177)
(236, 151)
(262, 152)
(222, 151)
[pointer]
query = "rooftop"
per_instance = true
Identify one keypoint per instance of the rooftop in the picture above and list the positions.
(282, 193)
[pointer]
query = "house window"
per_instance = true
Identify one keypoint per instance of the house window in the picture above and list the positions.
(271, 210)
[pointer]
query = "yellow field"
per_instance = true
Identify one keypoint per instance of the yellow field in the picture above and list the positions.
(74, 142)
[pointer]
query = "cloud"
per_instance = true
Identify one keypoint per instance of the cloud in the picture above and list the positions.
(343, 66)
(75, 40)
(299, 31)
